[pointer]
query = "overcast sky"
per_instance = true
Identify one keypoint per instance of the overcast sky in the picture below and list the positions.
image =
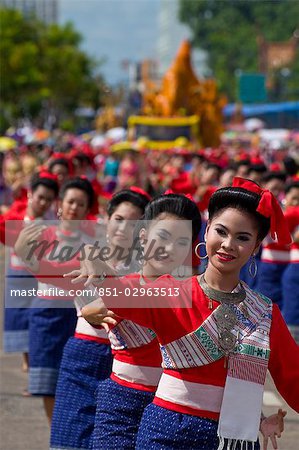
(114, 29)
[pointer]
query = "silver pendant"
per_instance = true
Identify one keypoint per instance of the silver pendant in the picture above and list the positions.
(227, 341)
(225, 317)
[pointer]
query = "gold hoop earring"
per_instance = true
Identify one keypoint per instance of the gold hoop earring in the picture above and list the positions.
(197, 252)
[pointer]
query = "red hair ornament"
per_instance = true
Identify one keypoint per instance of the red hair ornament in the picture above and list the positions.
(268, 207)
(48, 175)
(170, 191)
(140, 191)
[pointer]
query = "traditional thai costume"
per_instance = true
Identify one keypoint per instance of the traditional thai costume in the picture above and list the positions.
(274, 261)
(215, 356)
(52, 317)
(290, 279)
(204, 401)
(122, 399)
(19, 283)
(86, 361)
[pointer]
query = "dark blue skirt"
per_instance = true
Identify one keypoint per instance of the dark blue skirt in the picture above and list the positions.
(16, 313)
(118, 416)
(83, 364)
(270, 281)
(162, 429)
(49, 330)
(290, 290)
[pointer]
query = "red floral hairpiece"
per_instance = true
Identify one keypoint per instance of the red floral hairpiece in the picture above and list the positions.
(268, 207)
(59, 155)
(170, 191)
(140, 191)
(48, 175)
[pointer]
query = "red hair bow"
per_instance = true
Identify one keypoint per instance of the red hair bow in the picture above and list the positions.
(59, 155)
(48, 175)
(140, 191)
(268, 207)
(170, 191)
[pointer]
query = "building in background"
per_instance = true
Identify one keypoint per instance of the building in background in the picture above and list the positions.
(45, 10)
(170, 35)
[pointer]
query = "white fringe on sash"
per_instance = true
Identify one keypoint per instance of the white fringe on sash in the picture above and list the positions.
(231, 444)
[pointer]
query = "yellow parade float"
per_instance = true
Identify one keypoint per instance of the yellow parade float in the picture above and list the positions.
(184, 112)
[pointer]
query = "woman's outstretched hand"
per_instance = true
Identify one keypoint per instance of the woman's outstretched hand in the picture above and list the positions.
(96, 313)
(272, 427)
(92, 270)
(28, 235)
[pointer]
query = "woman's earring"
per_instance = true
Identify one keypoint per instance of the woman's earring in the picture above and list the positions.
(141, 262)
(182, 272)
(196, 251)
(252, 269)
(59, 213)
(141, 255)
(107, 239)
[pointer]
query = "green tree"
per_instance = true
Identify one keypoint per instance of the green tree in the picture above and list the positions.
(43, 69)
(228, 29)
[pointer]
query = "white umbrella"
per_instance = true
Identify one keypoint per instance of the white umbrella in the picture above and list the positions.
(116, 134)
(98, 141)
(254, 124)
(280, 134)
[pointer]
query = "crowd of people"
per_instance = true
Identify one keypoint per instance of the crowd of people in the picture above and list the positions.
(155, 371)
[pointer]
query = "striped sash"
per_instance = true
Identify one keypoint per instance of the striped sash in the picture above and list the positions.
(201, 347)
(128, 334)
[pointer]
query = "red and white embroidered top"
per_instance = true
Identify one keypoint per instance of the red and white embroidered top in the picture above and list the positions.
(198, 391)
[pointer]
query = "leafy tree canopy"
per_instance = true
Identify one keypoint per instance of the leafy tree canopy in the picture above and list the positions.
(228, 29)
(43, 68)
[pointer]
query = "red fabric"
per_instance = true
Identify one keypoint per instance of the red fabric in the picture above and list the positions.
(48, 175)
(51, 272)
(19, 205)
(268, 207)
(204, 202)
(58, 156)
(169, 191)
(275, 167)
(22, 195)
(87, 337)
(172, 323)
(141, 387)
(9, 234)
(182, 184)
(148, 355)
(186, 409)
(292, 217)
(140, 191)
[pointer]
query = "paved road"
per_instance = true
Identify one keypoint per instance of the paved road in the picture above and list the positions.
(23, 425)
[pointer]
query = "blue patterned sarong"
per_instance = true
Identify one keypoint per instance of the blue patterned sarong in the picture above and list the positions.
(83, 364)
(119, 412)
(290, 291)
(49, 330)
(16, 313)
(269, 281)
(162, 429)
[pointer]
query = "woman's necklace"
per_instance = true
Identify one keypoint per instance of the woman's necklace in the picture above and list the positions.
(225, 316)
(230, 298)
